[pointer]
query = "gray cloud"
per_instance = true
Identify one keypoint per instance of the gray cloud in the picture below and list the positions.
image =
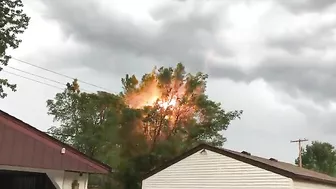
(299, 79)
(302, 6)
(320, 119)
(110, 36)
(294, 42)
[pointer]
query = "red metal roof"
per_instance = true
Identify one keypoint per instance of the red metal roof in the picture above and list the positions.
(25, 146)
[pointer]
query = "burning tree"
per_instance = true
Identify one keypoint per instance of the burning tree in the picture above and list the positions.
(174, 105)
(149, 122)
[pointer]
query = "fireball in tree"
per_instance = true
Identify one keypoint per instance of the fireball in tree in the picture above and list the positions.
(174, 105)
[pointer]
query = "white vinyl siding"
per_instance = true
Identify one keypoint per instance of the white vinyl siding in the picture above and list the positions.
(214, 171)
(307, 185)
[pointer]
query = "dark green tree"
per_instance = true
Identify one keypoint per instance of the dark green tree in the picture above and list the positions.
(151, 121)
(320, 157)
(89, 122)
(12, 22)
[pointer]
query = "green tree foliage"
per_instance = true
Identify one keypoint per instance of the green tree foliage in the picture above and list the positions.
(88, 121)
(148, 123)
(320, 157)
(12, 22)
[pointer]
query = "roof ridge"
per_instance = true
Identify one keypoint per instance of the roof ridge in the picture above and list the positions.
(270, 161)
(280, 162)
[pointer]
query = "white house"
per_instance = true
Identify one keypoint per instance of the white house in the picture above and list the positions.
(208, 167)
(31, 159)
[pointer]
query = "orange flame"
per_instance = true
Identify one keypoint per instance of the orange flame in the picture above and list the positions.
(175, 113)
(149, 95)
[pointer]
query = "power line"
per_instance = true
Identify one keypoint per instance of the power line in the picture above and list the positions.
(36, 75)
(63, 84)
(57, 73)
(32, 79)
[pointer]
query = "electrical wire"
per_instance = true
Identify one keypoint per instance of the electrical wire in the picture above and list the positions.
(36, 75)
(32, 79)
(57, 73)
(63, 84)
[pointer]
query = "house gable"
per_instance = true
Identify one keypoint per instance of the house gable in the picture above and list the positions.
(26, 146)
(272, 165)
(208, 168)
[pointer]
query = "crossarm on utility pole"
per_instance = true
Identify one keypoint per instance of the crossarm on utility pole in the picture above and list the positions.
(300, 149)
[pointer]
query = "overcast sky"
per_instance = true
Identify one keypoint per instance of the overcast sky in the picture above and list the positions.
(275, 59)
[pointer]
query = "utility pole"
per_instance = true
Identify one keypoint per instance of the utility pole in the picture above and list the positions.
(300, 149)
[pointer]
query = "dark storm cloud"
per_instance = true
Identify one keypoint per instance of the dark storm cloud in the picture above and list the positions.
(303, 6)
(319, 38)
(316, 39)
(175, 40)
(305, 78)
(321, 120)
